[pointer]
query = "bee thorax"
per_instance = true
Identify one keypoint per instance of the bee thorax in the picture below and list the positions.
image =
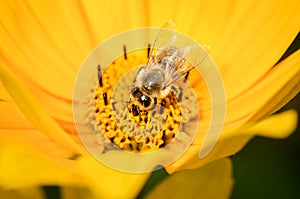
(153, 82)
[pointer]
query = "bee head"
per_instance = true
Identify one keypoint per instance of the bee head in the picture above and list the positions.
(139, 106)
(142, 98)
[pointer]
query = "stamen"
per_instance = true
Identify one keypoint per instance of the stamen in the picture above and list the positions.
(100, 76)
(124, 51)
(186, 76)
(180, 95)
(148, 50)
(105, 98)
(161, 110)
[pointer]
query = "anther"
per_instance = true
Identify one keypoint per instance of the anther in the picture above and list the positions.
(105, 98)
(180, 95)
(161, 110)
(148, 50)
(124, 51)
(100, 76)
(186, 76)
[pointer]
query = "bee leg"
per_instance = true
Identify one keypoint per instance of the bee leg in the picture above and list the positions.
(100, 76)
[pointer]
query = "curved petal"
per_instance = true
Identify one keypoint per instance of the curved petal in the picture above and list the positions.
(268, 94)
(35, 138)
(231, 142)
(33, 168)
(49, 72)
(110, 183)
(22, 166)
(277, 126)
(67, 32)
(213, 181)
(4, 96)
(34, 113)
(14, 126)
(12, 118)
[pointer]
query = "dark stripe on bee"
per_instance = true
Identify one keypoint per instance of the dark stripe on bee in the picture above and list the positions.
(100, 76)
(105, 98)
(186, 76)
(148, 50)
(124, 51)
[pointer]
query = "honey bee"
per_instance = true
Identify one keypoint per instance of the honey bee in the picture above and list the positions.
(167, 62)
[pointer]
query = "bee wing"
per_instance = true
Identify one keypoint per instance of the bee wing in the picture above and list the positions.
(166, 36)
(193, 57)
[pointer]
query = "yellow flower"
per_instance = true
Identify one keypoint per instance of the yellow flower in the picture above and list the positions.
(44, 43)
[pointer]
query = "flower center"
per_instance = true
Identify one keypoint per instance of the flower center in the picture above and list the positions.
(127, 123)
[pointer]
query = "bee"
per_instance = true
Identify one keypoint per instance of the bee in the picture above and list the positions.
(167, 62)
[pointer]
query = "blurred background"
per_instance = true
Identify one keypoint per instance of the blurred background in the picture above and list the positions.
(269, 168)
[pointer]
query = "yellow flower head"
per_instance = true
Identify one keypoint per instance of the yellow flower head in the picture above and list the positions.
(43, 45)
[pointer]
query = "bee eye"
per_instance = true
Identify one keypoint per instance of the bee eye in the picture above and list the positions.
(136, 92)
(145, 100)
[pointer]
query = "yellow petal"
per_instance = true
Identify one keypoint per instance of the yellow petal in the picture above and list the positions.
(246, 38)
(267, 95)
(4, 96)
(277, 126)
(34, 113)
(14, 126)
(285, 84)
(106, 19)
(26, 193)
(21, 166)
(67, 32)
(12, 118)
(213, 181)
(109, 183)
